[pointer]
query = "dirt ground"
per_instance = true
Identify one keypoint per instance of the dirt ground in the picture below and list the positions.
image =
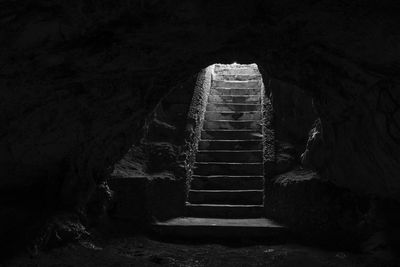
(144, 251)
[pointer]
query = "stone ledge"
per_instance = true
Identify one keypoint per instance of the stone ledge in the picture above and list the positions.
(145, 198)
(316, 209)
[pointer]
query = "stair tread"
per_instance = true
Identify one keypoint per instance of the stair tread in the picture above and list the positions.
(221, 222)
(216, 145)
(231, 140)
(230, 163)
(237, 82)
(228, 140)
(233, 121)
(228, 150)
(230, 91)
(237, 96)
(232, 176)
(226, 191)
(224, 205)
(232, 130)
(234, 104)
(230, 88)
(233, 111)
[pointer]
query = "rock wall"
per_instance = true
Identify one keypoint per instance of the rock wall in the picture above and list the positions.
(79, 78)
(149, 181)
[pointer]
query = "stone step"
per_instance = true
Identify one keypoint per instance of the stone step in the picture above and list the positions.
(231, 135)
(229, 91)
(232, 107)
(249, 228)
(224, 168)
(232, 197)
(215, 182)
(243, 99)
(230, 145)
(236, 77)
(231, 125)
(237, 84)
(224, 211)
(229, 156)
(236, 71)
(231, 115)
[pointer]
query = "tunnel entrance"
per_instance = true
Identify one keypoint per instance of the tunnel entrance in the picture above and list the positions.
(230, 147)
(227, 176)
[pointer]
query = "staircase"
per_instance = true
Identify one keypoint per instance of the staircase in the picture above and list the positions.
(227, 188)
(227, 179)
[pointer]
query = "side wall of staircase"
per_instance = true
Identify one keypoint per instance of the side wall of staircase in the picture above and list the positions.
(196, 119)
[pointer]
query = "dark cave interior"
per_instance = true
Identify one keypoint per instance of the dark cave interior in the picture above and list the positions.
(103, 107)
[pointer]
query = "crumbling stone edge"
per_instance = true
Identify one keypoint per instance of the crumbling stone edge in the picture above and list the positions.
(196, 119)
(268, 133)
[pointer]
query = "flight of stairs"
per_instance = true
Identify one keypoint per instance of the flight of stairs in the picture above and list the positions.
(226, 193)
(227, 179)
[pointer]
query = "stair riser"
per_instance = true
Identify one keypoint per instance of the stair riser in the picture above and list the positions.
(232, 125)
(228, 169)
(229, 156)
(277, 234)
(232, 107)
(249, 99)
(224, 212)
(230, 145)
(214, 115)
(237, 85)
(248, 198)
(227, 183)
(231, 135)
(236, 77)
(222, 91)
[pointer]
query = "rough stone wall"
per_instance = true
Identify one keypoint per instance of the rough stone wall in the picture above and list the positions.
(269, 141)
(293, 112)
(317, 210)
(78, 78)
(149, 181)
(196, 119)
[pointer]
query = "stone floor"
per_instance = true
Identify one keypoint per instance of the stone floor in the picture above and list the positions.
(227, 229)
(142, 251)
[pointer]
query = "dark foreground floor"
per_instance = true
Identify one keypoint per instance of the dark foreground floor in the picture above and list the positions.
(142, 251)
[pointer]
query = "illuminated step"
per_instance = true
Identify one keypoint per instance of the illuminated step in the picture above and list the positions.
(232, 115)
(235, 228)
(233, 107)
(237, 84)
(243, 99)
(230, 91)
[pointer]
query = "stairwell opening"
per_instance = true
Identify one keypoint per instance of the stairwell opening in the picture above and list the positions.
(230, 146)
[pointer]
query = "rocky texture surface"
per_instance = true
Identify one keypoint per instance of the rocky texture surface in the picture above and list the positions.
(149, 181)
(317, 210)
(294, 114)
(142, 200)
(79, 78)
(140, 251)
